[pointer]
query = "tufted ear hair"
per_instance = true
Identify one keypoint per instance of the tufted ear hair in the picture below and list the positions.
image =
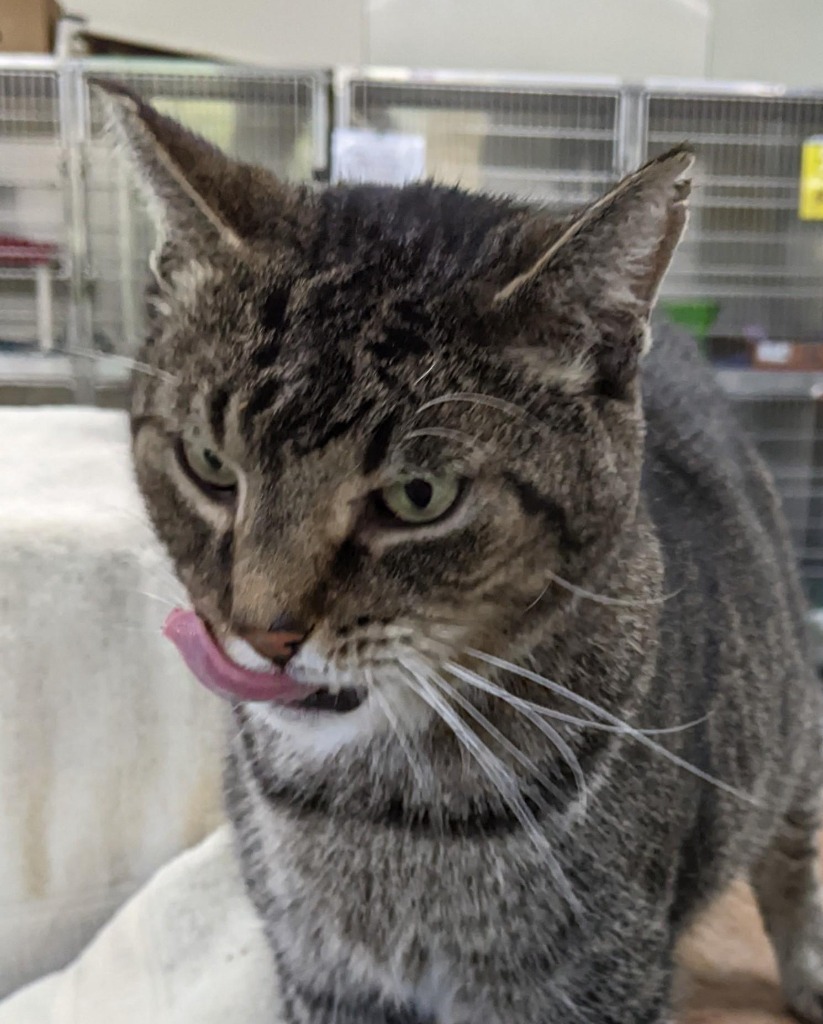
(197, 196)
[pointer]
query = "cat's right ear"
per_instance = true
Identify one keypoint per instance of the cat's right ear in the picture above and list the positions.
(198, 197)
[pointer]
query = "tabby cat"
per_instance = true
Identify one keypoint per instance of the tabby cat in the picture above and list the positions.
(502, 601)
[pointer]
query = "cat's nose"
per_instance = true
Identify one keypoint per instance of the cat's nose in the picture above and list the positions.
(280, 642)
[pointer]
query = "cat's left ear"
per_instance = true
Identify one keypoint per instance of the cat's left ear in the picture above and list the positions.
(609, 260)
(197, 196)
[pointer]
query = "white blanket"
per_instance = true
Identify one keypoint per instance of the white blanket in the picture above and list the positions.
(187, 949)
(110, 753)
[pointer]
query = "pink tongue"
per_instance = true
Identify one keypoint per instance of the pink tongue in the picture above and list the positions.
(218, 673)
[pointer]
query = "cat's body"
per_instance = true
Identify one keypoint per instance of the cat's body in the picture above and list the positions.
(393, 441)
(455, 929)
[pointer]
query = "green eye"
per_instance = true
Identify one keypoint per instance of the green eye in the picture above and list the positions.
(205, 466)
(416, 500)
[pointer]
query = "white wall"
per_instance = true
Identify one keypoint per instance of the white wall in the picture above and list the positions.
(286, 33)
(630, 38)
(769, 40)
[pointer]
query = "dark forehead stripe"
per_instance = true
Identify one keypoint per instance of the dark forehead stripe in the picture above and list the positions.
(217, 413)
(273, 318)
(264, 355)
(304, 421)
(399, 343)
(428, 218)
(378, 444)
(337, 428)
(407, 334)
(263, 398)
(534, 503)
(413, 313)
(273, 308)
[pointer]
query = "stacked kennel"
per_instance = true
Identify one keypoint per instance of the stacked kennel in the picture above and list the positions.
(69, 212)
(35, 238)
(749, 268)
(278, 120)
(556, 141)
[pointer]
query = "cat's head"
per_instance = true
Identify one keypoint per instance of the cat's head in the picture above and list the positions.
(378, 424)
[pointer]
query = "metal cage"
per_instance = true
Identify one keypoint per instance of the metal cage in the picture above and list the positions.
(275, 119)
(74, 237)
(746, 249)
(554, 140)
(754, 269)
(34, 216)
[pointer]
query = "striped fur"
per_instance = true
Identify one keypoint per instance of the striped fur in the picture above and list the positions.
(490, 837)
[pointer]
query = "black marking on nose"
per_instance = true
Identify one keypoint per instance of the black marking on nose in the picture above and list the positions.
(363, 620)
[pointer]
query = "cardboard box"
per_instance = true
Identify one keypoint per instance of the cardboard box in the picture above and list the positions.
(28, 26)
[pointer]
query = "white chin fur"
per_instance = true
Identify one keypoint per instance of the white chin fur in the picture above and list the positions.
(314, 738)
(244, 655)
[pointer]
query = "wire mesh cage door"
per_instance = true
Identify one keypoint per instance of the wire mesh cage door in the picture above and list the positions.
(549, 140)
(749, 272)
(277, 119)
(34, 243)
(747, 251)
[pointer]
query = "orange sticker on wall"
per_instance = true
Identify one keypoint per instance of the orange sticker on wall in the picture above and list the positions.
(811, 180)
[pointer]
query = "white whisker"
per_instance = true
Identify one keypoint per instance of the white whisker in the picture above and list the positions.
(474, 679)
(497, 774)
(126, 627)
(446, 433)
(129, 363)
(527, 710)
(590, 595)
(155, 597)
(490, 401)
(497, 735)
(245, 726)
(564, 691)
(424, 779)
(425, 373)
(538, 599)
